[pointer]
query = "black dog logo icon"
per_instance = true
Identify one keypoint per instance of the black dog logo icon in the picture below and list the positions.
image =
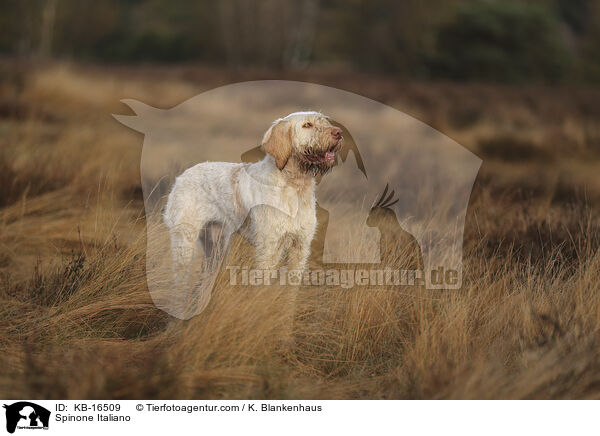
(26, 415)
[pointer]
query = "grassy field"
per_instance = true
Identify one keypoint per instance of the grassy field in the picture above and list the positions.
(77, 321)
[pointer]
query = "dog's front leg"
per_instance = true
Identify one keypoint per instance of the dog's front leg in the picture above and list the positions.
(298, 255)
(268, 252)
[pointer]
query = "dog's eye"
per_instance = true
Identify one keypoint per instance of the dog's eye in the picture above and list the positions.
(307, 125)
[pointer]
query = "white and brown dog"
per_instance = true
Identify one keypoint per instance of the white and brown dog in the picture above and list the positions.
(277, 193)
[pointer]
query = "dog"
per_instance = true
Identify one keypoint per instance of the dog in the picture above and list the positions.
(210, 201)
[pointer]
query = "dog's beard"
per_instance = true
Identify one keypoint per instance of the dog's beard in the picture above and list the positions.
(315, 168)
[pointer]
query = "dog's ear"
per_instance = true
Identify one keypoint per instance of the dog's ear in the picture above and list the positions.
(278, 142)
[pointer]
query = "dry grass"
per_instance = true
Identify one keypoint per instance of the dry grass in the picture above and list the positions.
(77, 321)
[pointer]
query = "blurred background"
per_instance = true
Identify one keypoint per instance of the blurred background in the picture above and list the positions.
(505, 41)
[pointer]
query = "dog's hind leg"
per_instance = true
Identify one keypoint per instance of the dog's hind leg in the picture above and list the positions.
(214, 241)
(206, 239)
(183, 250)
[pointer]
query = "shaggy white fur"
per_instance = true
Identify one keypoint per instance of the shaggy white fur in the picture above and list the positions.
(278, 194)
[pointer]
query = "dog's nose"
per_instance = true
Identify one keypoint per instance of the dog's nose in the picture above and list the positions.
(336, 132)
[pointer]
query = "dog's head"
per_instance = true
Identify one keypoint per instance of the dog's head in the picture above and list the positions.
(308, 138)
